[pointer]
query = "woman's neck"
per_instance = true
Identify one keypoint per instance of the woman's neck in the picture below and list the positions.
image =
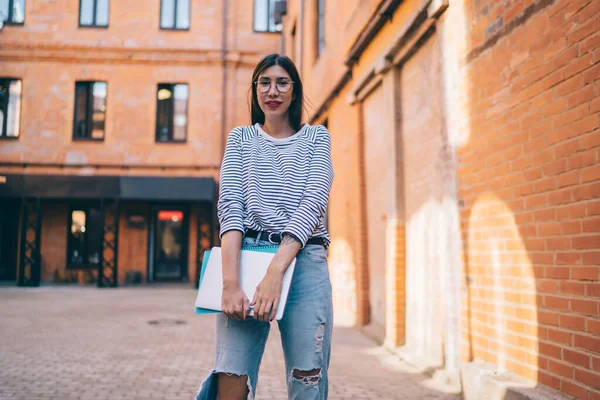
(279, 128)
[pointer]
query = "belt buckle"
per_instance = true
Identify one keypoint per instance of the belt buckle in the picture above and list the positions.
(271, 240)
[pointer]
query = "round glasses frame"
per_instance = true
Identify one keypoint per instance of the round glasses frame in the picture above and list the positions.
(261, 89)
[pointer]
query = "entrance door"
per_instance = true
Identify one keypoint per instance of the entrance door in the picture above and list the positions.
(381, 207)
(170, 244)
(9, 239)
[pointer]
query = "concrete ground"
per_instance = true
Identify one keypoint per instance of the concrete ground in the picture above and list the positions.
(62, 343)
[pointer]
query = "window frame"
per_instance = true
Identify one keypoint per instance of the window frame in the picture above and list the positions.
(269, 12)
(159, 86)
(9, 17)
(94, 24)
(89, 112)
(174, 28)
(85, 207)
(4, 127)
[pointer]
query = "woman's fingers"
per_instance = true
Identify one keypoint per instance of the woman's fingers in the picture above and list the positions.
(239, 309)
(274, 310)
(234, 311)
(245, 308)
(230, 314)
(265, 310)
(259, 308)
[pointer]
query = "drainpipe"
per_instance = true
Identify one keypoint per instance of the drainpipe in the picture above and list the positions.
(223, 79)
(301, 37)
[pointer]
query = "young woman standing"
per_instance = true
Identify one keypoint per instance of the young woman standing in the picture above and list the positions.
(274, 188)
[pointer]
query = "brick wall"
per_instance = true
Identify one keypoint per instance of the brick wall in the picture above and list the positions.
(529, 176)
(347, 254)
(49, 53)
(512, 87)
(428, 189)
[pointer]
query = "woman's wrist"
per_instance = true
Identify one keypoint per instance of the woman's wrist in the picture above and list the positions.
(278, 269)
(231, 283)
(288, 238)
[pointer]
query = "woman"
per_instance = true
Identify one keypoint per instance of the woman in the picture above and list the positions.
(274, 188)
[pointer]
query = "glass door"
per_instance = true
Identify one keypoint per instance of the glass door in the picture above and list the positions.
(170, 244)
(9, 230)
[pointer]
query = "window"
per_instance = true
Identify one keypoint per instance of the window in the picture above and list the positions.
(93, 13)
(264, 16)
(90, 110)
(175, 14)
(84, 243)
(320, 26)
(12, 12)
(10, 107)
(171, 112)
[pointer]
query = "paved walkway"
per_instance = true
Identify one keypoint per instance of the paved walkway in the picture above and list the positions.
(63, 343)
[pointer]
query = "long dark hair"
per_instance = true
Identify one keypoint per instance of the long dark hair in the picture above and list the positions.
(297, 105)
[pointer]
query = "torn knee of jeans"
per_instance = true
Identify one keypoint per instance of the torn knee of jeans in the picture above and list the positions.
(209, 386)
(319, 334)
(248, 383)
(230, 374)
(308, 378)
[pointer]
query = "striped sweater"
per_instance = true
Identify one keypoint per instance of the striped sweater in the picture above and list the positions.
(276, 185)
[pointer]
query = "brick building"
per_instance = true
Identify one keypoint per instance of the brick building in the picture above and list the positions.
(113, 119)
(465, 213)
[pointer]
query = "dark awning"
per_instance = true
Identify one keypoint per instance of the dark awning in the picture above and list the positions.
(180, 188)
(151, 188)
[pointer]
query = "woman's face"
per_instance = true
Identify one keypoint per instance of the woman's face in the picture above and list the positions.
(275, 92)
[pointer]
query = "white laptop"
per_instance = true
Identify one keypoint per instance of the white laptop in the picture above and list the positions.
(254, 262)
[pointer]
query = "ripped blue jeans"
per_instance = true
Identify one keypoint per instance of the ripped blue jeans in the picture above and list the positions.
(305, 329)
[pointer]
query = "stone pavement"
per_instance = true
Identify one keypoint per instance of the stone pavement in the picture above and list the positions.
(62, 343)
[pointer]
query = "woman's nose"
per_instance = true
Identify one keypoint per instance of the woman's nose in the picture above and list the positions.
(273, 89)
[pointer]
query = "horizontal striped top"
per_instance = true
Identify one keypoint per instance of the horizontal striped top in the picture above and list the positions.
(276, 185)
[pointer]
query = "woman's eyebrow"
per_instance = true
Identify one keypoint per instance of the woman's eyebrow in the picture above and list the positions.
(277, 77)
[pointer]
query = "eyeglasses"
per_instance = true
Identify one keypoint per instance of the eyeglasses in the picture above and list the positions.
(283, 85)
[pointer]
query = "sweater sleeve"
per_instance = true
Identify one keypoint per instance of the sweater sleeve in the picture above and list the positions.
(313, 205)
(231, 201)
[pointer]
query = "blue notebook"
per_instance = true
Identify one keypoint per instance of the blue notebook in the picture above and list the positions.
(254, 262)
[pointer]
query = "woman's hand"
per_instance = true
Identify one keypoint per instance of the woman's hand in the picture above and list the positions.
(234, 302)
(266, 297)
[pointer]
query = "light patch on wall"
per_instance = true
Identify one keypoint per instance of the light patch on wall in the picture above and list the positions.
(432, 283)
(453, 34)
(131, 159)
(75, 157)
(343, 272)
(11, 148)
(86, 171)
(497, 251)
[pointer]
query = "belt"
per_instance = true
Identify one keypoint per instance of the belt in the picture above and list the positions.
(275, 237)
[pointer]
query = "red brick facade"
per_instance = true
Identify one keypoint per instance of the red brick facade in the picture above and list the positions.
(465, 212)
(50, 52)
(466, 141)
(530, 180)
